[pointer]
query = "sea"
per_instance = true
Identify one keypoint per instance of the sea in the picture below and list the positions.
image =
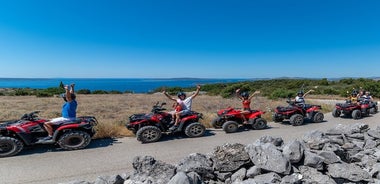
(135, 85)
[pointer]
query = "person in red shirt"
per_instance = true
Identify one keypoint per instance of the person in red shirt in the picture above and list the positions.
(246, 101)
(177, 108)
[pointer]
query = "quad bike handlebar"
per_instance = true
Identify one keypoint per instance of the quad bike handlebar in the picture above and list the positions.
(31, 116)
(158, 108)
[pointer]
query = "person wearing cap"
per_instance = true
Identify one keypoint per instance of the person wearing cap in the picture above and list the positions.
(184, 102)
(69, 109)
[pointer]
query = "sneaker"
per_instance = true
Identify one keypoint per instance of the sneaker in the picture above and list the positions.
(47, 139)
(173, 128)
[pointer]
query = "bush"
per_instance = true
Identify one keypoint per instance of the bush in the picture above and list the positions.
(22, 92)
(281, 93)
(128, 91)
(99, 92)
(84, 91)
(115, 92)
(44, 94)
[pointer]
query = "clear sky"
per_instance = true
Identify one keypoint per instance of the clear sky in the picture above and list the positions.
(189, 38)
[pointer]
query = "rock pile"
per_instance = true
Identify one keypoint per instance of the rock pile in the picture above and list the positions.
(345, 154)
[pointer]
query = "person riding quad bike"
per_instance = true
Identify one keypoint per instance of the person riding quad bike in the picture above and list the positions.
(355, 106)
(150, 127)
(185, 103)
(298, 110)
(29, 130)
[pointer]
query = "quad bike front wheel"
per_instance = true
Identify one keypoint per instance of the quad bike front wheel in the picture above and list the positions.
(195, 130)
(217, 122)
(373, 110)
(336, 113)
(277, 119)
(10, 146)
(296, 120)
(318, 117)
(148, 134)
(259, 124)
(230, 126)
(74, 140)
(356, 114)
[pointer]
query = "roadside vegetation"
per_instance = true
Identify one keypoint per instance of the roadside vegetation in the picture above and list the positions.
(272, 89)
(113, 108)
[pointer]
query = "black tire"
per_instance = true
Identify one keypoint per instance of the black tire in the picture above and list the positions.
(373, 110)
(356, 114)
(259, 124)
(318, 117)
(296, 120)
(10, 146)
(74, 140)
(277, 119)
(217, 122)
(230, 126)
(148, 134)
(336, 113)
(195, 130)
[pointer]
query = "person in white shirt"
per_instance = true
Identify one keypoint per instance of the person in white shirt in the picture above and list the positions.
(186, 105)
(300, 98)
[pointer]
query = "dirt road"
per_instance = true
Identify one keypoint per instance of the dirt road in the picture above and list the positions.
(47, 164)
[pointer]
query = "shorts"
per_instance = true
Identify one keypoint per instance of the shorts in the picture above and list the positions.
(185, 112)
(61, 120)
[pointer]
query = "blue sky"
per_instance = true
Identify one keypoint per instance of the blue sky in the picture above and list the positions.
(195, 38)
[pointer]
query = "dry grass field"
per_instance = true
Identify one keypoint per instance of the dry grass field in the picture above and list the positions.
(113, 110)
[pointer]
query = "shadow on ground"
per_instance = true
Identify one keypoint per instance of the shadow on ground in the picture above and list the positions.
(43, 148)
(168, 137)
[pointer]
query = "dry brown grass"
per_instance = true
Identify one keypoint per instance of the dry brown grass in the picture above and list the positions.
(113, 110)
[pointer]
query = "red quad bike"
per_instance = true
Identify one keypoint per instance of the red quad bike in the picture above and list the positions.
(229, 120)
(150, 127)
(28, 131)
(297, 114)
(354, 110)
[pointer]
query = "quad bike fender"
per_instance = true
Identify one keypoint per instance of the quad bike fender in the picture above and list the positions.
(81, 126)
(256, 114)
(187, 118)
(313, 108)
(224, 111)
(22, 136)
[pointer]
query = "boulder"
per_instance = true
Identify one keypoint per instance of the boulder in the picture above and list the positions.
(350, 172)
(271, 177)
(147, 169)
(229, 157)
(180, 177)
(198, 163)
(268, 157)
(293, 151)
(114, 179)
(313, 160)
(311, 175)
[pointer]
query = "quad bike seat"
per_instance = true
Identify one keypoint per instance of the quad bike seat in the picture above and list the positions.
(284, 109)
(345, 105)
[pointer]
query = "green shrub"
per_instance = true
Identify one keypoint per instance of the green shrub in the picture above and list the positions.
(22, 92)
(83, 91)
(282, 93)
(115, 92)
(128, 91)
(99, 92)
(44, 94)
